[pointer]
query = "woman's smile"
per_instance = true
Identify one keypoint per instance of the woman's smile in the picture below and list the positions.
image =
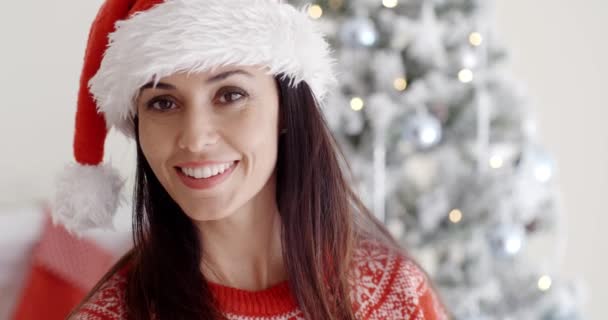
(205, 176)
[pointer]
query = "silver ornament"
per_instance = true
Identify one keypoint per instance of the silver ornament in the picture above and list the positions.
(543, 167)
(468, 59)
(422, 130)
(538, 164)
(506, 240)
(358, 32)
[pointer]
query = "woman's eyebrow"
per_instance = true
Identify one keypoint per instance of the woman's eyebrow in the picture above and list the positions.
(160, 85)
(226, 74)
(215, 78)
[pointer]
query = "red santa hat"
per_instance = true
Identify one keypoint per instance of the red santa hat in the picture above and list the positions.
(133, 42)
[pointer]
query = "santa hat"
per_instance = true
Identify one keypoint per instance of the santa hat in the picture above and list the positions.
(133, 42)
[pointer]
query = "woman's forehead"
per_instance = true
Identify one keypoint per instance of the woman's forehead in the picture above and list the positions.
(220, 73)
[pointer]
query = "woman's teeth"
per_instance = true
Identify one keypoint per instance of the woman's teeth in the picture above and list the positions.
(207, 171)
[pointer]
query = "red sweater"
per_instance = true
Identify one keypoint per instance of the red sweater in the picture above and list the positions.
(384, 286)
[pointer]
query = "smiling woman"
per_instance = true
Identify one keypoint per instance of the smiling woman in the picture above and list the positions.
(224, 121)
(241, 207)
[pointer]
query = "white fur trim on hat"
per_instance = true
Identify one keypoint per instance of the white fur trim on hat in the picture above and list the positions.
(196, 35)
(87, 197)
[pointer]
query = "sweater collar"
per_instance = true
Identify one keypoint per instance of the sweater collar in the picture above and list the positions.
(274, 300)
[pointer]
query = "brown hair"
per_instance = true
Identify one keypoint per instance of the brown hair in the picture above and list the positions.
(322, 222)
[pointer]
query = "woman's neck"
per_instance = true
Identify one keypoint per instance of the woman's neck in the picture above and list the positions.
(244, 250)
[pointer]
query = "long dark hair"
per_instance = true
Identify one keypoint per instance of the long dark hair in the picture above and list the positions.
(322, 222)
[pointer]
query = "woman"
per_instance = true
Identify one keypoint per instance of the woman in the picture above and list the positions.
(241, 209)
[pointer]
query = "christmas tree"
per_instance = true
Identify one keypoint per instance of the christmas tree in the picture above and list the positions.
(443, 147)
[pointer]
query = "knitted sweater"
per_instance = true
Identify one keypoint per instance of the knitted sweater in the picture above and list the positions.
(384, 285)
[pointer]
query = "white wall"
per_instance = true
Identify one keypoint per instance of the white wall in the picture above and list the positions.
(42, 48)
(559, 50)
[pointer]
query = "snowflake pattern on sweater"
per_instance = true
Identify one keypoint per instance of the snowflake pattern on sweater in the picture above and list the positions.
(384, 285)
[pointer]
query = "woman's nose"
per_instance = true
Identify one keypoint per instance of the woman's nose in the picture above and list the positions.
(198, 132)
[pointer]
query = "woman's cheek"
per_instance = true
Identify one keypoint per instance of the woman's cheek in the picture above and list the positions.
(253, 126)
(156, 143)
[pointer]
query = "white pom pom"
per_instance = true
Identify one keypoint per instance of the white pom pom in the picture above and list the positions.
(87, 197)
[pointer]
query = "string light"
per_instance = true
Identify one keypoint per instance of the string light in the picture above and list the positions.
(315, 11)
(390, 3)
(496, 162)
(544, 283)
(400, 84)
(356, 103)
(465, 75)
(455, 216)
(475, 39)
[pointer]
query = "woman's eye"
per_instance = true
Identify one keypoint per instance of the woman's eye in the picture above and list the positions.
(231, 96)
(161, 104)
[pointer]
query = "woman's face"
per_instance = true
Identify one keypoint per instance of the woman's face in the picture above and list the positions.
(211, 138)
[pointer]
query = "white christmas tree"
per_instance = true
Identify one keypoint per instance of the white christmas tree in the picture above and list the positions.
(443, 146)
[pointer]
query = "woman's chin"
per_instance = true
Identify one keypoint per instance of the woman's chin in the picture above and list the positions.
(207, 215)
